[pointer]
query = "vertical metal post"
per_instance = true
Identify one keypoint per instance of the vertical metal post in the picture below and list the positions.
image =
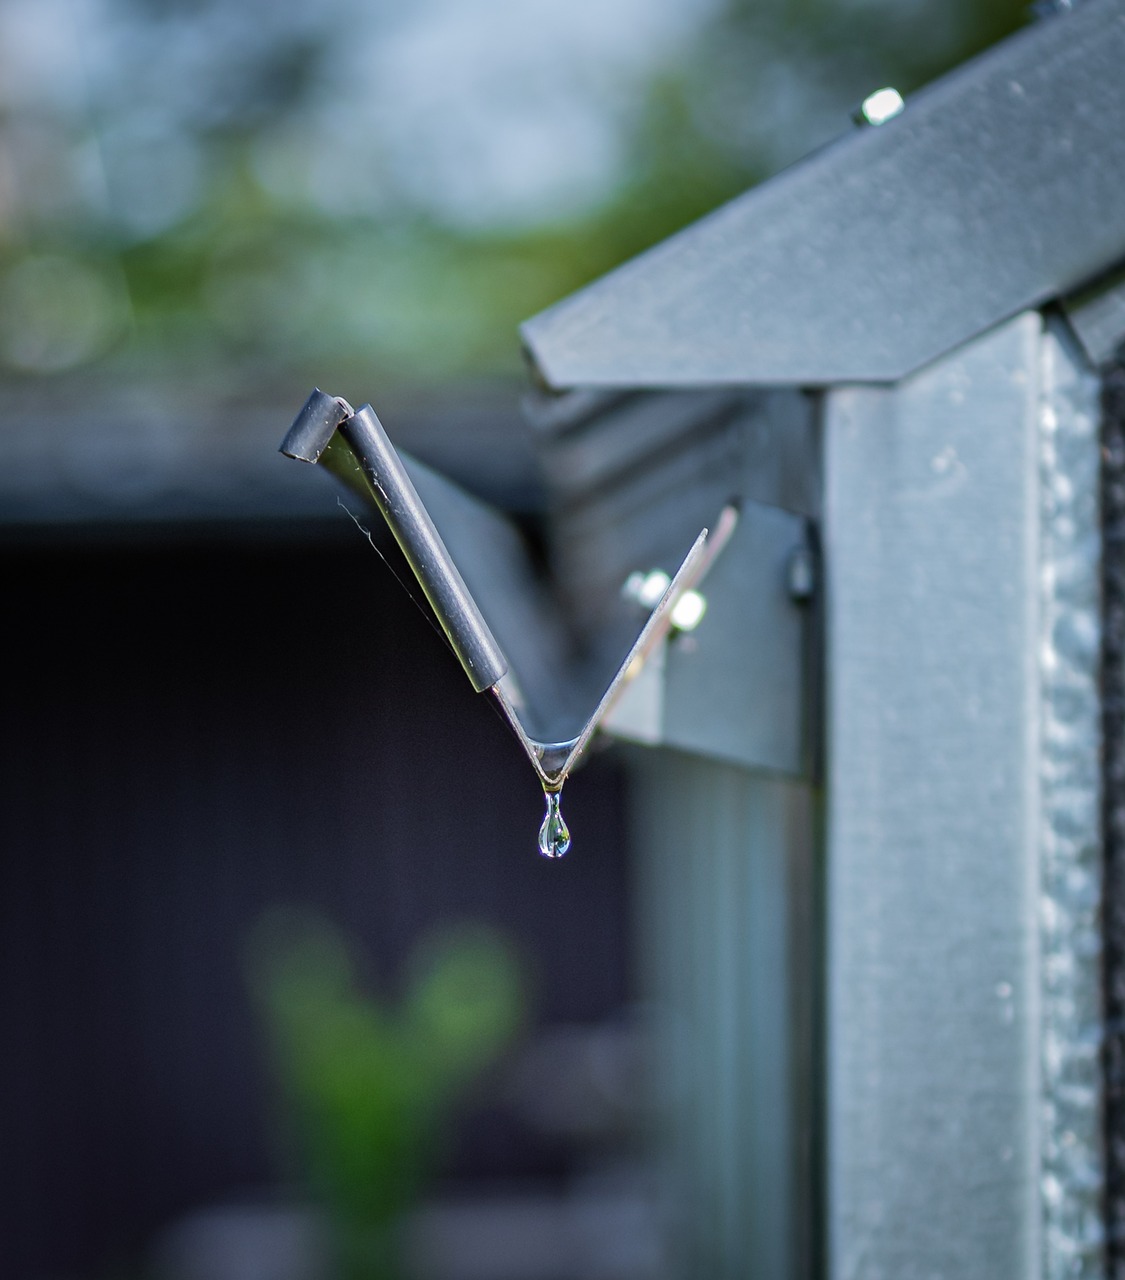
(961, 546)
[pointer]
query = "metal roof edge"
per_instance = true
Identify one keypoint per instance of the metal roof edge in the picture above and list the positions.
(999, 187)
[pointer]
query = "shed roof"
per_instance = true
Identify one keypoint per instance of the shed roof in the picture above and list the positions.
(999, 187)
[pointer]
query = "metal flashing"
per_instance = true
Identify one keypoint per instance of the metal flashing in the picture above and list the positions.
(997, 189)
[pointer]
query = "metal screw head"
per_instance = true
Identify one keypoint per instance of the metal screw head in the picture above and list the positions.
(645, 589)
(879, 107)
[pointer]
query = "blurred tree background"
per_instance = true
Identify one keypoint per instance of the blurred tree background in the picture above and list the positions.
(193, 188)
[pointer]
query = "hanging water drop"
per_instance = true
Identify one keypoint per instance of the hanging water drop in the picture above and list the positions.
(554, 838)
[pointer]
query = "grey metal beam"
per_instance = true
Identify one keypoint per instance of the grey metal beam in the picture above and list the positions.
(961, 652)
(999, 187)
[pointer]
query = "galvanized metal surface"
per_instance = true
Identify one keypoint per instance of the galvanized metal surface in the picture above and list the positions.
(1072, 1168)
(727, 900)
(999, 187)
(1113, 686)
(962, 1113)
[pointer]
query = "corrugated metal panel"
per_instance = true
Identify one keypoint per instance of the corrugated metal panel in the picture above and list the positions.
(727, 879)
(640, 506)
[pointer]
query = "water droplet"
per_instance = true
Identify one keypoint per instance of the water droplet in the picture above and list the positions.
(554, 838)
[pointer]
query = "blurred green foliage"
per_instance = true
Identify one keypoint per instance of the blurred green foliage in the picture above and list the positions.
(368, 1088)
(205, 185)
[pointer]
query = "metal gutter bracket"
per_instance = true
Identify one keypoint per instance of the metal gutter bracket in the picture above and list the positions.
(741, 689)
(354, 446)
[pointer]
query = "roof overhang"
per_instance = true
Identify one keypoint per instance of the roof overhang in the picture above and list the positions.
(1000, 187)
